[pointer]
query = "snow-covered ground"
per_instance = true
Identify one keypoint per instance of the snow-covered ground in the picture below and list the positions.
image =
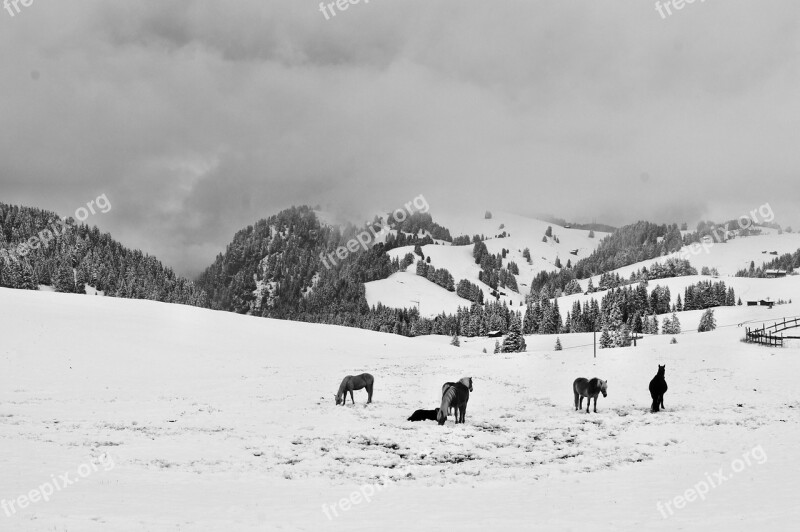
(215, 421)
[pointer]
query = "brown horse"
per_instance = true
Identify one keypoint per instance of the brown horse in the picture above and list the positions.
(589, 389)
(350, 383)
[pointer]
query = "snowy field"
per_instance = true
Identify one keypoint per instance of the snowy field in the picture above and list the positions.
(176, 418)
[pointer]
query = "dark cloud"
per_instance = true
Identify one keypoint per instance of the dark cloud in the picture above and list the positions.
(196, 117)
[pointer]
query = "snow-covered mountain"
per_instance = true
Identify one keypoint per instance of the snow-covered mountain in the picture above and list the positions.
(565, 244)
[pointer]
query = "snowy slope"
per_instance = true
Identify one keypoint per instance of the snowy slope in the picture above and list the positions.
(728, 258)
(215, 421)
(524, 233)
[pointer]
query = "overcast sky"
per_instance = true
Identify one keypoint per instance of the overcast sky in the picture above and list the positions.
(198, 117)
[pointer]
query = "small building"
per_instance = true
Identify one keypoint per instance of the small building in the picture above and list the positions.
(574, 252)
(774, 274)
(494, 334)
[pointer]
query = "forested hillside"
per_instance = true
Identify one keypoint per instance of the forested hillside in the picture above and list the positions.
(286, 267)
(625, 246)
(79, 255)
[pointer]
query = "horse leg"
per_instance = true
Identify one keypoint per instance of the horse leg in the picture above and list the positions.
(463, 412)
(351, 397)
(580, 403)
(576, 400)
(588, 403)
(369, 394)
(662, 401)
(595, 404)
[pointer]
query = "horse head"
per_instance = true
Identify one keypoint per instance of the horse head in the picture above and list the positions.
(662, 369)
(604, 388)
(467, 381)
(338, 400)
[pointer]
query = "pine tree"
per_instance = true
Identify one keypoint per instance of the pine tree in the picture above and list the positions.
(707, 322)
(497, 346)
(605, 339)
(514, 342)
(676, 324)
(454, 342)
(65, 279)
(558, 344)
(622, 338)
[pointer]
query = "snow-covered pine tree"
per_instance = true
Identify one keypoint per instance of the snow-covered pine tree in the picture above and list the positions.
(707, 322)
(514, 342)
(676, 324)
(605, 339)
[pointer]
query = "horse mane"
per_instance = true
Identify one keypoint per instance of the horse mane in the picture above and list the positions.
(595, 385)
(342, 387)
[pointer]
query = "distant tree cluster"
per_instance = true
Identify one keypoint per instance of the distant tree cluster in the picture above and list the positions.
(542, 316)
(476, 320)
(439, 276)
(707, 294)
(787, 262)
(492, 272)
(469, 291)
(419, 222)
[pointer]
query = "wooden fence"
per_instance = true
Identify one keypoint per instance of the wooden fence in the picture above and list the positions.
(773, 335)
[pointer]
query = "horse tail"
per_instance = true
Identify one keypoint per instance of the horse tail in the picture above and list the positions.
(447, 398)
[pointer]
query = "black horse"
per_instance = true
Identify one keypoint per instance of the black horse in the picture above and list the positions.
(658, 387)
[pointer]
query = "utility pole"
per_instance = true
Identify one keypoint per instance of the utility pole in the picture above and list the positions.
(417, 302)
(595, 342)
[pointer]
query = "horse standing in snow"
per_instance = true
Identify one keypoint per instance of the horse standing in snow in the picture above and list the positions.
(658, 387)
(455, 395)
(350, 383)
(589, 389)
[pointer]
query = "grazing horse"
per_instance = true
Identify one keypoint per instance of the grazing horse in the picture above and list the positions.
(589, 389)
(658, 387)
(351, 383)
(424, 415)
(455, 395)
